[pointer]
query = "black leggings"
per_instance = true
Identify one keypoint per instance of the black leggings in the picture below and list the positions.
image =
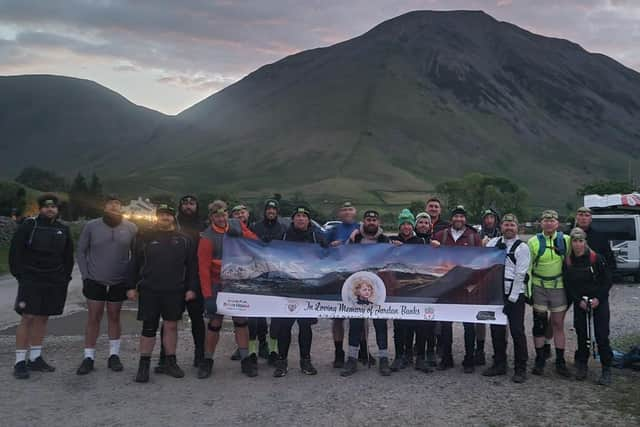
(356, 328)
(446, 336)
(258, 328)
(600, 332)
(195, 308)
(305, 336)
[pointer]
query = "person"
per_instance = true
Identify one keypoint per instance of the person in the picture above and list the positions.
(516, 267)
(546, 290)
(596, 240)
(405, 330)
(163, 275)
(460, 234)
(337, 236)
(490, 225)
(370, 232)
(241, 213)
(189, 223)
(434, 209)
(423, 226)
(103, 255)
(267, 230)
(300, 231)
(41, 259)
(587, 282)
(210, 251)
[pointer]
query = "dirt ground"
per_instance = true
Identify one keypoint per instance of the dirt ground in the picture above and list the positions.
(228, 398)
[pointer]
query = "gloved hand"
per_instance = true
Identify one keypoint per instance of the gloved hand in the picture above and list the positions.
(210, 305)
(508, 307)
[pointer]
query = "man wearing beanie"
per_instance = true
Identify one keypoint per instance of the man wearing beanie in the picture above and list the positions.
(490, 225)
(596, 240)
(588, 281)
(103, 255)
(460, 234)
(41, 259)
(163, 275)
(241, 213)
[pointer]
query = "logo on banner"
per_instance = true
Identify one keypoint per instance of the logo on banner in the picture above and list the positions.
(292, 307)
(429, 313)
(363, 288)
(486, 315)
(238, 305)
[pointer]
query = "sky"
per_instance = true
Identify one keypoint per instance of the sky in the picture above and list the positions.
(169, 54)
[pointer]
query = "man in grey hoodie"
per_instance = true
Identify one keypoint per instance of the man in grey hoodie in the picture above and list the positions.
(104, 251)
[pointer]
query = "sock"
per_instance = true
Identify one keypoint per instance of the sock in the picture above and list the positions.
(383, 353)
(145, 357)
(90, 353)
(540, 353)
(273, 344)
(244, 353)
(253, 346)
(34, 352)
(21, 356)
(353, 351)
(338, 345)
(208, 355)
(559, 353)
(114, 347)
(547, 341)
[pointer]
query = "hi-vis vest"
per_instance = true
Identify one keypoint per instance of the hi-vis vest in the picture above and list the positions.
(546, 262)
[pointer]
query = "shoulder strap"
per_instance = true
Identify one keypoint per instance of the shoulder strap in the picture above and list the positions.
(593, 258)
(473, 238)
(512, 252)
(542, 246)
(560, 245)
(445, 236)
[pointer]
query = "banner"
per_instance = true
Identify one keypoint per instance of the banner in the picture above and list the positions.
(287, 279)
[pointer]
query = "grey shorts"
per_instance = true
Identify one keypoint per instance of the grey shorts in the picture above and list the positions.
(553, 300)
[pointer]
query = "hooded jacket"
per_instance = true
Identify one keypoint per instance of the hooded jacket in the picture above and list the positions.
(268, 230)
(413, 240)
(583, 279)
(304, 236)
(362, 238)
(469, 237)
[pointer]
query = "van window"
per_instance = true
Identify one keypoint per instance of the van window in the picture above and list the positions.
(615, 228)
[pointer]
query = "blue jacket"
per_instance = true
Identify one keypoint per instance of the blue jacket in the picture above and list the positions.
(342, 232)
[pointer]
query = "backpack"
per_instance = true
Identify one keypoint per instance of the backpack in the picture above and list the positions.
(512, 256)
(559, 246)
(593, 259)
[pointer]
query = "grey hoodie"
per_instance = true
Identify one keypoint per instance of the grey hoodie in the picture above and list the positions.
(104, 252)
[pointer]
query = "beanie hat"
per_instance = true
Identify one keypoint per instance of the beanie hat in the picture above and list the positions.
(578, 234)
(271, 203)
(458, 210)
(48, 199)
(423, 215)
(302, 210)
(406, 216)
(163, 208)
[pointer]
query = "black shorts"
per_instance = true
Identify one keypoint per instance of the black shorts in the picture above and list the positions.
(154, 305)
(96, 291)
(41, 300)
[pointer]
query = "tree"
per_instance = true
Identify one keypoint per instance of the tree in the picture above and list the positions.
(95, 197)
(12, 196)
(41, 179)
(416, 207)
(79, 198)
(606, 187)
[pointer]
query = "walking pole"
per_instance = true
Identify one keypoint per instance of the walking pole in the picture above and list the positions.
(591, 339)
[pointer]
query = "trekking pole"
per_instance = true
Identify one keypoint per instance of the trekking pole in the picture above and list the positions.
(589, 343)
(591, 328)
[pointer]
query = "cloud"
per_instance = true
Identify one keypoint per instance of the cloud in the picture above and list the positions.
(199, 82)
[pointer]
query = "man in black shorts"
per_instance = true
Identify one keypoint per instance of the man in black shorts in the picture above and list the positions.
(41, 259)
(164, 274)
(103, 255)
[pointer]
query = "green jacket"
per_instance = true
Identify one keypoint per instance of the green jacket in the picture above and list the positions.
(546, 271)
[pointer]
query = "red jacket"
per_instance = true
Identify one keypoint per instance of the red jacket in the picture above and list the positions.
(470, 237)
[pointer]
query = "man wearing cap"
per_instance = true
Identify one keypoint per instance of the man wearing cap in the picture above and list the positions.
(188, 222)
(370, 232)
(546, 289)
(588, 281)
(434, 209)
(41, 259)
(163, 275)
(516, 267)
(336, 236)
(300, 231)
(460, 234)
(241, 213)
(103, 255)
(490, 225)
(267, 230)
(210, 264)
(597, 241)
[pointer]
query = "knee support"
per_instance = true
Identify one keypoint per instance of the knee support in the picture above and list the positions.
(540, 323)
(214, 328)
(150, 327)
(240, 323)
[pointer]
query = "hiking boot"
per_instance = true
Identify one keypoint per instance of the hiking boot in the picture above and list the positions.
(273, 358)
(85, 367)
(114, 363)
(281, 368)
(143, 371)
(384, 368)
(445, 363)
(307, 368)
(538, 368)
(519, 376)
(236, 355)
(350, 367)
(366, 359)
(20, 370)
(198, 356)
(205, 368)
(561, 368)
(581, 371)
(468, 365)
(162, 364)
(605, 379)
(422, 365)
(547, 351)
(495, 370)
(400, 362)
(40, 365)
(338, 361)
(479, 358)
(431, 360)
(172, 369)
(248, 367)
(263, 350)
(254, 359)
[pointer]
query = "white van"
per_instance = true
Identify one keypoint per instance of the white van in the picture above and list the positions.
(623, 231)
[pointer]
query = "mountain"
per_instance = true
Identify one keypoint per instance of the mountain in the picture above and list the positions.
(417, 100)
(67, 124)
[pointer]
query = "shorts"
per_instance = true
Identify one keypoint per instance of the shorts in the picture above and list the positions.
(43, 300)
(154, 305)
(96, 291)
(553, 300)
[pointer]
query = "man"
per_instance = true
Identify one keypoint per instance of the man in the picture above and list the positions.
(241, 213)
(104, 251)
(337, 236)
(164, 275)
(267, 230)
(41, 259)
(210, 263)
(434, 209)
(588, 280)
(546, 289)
(405, 330)
(516, 267)
(300, 231)
(189, 223)
(597, 241)
(370, 232)
(423, 226)
(460, 234)
(490, 225)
